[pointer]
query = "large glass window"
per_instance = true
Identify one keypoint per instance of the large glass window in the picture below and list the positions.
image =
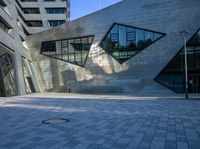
(122, 42)
(56, 10)
(173, 75)
(29, 87)
(74, 51)
(53, 23)
(7, 73)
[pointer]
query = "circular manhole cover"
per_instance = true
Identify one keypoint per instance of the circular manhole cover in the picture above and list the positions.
(55, 121)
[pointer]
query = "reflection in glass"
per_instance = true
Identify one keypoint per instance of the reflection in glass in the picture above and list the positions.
(122, 42)
(74, 51)
(7, 73)
(140, 39)
(172, 76)
(29, 87)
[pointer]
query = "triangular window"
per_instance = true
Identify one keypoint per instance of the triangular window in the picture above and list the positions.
(123, 42)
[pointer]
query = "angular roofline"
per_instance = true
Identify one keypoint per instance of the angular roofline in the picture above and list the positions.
(108, 7)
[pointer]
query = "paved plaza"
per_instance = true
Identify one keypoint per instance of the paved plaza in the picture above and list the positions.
(99, 122)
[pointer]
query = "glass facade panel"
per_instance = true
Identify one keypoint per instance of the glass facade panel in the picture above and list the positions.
(29, 87)
(173, 75)
(7, 73)
(74, 51)
(149, 37)
(122, 42)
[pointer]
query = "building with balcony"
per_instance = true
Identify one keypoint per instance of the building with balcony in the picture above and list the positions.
(19, 19)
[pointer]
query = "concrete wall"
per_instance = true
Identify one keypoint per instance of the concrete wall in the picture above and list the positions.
(104, 74)
(12, 40)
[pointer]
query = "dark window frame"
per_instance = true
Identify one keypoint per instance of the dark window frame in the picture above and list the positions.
(34, 10)
(28, 0)
(34, 21)
(120, 24)
(55, 10)
(60, 22)
(49, 0)
(72, 38)
(179, 51)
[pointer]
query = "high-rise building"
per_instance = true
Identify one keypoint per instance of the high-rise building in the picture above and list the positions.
(18, 19)
(39, 15)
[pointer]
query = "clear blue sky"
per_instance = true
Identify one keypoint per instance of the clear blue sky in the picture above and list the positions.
(83, 7)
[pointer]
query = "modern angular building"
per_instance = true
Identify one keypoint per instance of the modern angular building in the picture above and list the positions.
(19, 19)
(132, 47)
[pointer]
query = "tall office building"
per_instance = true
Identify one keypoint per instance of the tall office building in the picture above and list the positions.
(18, 19)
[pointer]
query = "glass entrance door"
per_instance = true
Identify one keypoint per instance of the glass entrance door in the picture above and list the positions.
(194, 84)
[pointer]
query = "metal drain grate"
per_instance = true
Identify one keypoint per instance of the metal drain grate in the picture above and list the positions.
(55, 121)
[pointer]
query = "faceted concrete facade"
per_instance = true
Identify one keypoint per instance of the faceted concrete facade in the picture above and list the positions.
(102, 73)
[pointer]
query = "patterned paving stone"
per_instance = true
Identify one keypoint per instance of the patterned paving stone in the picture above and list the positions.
(98, 123)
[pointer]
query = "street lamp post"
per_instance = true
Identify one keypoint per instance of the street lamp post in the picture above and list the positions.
(184, 35)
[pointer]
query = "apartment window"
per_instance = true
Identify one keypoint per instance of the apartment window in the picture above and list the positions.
(55, 10)
(53, 23)
(49, 0)
(28, 0)
(31, 10)
(4, 25)
(74, 50)
(35, 23)
(123, 42)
